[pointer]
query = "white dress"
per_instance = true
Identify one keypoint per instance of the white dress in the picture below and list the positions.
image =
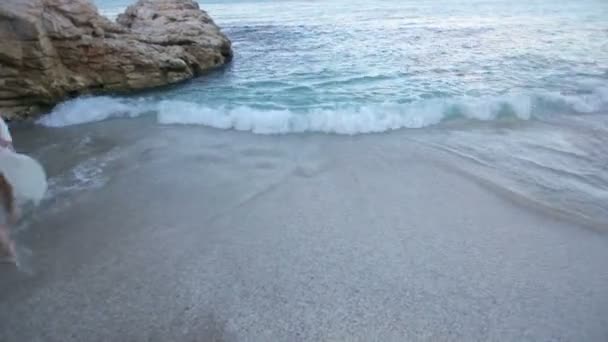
(24, 174)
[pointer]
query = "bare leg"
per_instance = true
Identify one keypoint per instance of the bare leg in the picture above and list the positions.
(7, 245)
(11, 215)
(7, 198)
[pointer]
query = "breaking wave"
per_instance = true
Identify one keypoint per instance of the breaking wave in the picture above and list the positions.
(340, 120)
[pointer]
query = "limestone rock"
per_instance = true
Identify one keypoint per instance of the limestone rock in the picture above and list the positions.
(55, 49)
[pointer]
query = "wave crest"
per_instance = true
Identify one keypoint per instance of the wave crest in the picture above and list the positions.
(354, 119)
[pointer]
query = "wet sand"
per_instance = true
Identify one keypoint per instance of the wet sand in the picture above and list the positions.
(194, 234)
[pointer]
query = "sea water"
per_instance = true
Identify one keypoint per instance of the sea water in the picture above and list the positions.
(518, 87)
(371, 66)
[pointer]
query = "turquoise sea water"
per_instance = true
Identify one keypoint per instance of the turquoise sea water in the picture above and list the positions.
(371, 66)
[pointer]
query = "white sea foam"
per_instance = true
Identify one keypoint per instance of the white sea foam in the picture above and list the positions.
(589, 102)
(89, 174)
(340, 120)
(364, 119)
(91, 109)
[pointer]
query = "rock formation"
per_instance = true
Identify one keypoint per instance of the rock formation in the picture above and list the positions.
(51, 50)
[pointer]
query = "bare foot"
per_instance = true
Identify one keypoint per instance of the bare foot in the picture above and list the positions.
(14, 216)
(8, 255)
(8, 260)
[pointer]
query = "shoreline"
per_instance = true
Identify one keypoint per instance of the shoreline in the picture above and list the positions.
(443, 155)
(428, 138)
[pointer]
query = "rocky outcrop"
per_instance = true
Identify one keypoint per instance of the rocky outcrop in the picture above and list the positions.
(54, 49)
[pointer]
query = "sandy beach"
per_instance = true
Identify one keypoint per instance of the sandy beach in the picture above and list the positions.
(159, 233)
